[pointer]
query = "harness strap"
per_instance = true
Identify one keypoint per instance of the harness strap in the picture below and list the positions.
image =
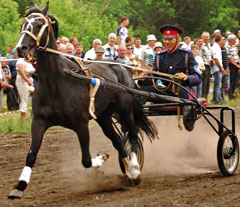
(186, 63)
(158, 62)
(92, 93)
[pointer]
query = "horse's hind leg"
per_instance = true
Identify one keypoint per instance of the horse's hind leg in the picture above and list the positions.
(132, 166)
(38, 129)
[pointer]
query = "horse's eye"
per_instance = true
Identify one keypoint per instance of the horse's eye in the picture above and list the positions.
(39, 26)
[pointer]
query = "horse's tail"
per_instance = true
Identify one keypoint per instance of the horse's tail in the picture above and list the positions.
(143, 123)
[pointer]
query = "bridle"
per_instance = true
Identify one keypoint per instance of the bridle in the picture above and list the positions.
(37, 38)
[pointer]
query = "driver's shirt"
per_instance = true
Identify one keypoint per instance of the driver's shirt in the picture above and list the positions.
(175, 63)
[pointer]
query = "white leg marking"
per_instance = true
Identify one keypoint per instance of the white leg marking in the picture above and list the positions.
(99, 160)
(132, 166)
(26, 174)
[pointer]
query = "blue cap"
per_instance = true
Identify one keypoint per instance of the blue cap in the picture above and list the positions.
(14, 50)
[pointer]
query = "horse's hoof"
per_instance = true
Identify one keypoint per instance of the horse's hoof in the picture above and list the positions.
(15, 193)
(137, 181)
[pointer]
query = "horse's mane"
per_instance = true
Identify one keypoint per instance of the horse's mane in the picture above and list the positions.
(53, 19)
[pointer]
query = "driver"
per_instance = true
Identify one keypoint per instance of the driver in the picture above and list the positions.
(179, 62)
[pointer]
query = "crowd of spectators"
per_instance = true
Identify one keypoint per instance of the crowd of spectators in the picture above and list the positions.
(217, 56)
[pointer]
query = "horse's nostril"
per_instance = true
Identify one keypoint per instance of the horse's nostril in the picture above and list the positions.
(24, 48)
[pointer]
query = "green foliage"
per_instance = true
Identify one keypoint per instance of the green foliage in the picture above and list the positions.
(9, 24)
(88, 20)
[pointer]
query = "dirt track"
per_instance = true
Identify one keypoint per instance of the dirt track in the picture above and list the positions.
(180, 169)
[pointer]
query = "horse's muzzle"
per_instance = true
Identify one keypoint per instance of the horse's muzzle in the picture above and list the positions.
(22, 51)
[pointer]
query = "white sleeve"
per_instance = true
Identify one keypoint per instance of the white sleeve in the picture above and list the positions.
(142, 54)
(1, 76)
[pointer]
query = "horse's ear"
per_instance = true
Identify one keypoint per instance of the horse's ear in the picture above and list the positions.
(45, 10)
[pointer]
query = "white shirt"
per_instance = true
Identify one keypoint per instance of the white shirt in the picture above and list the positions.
(199, 61)
(217, 54)
(1, 76)
(185, 46)
(109, 54)
(90, 54)
(146, 51)
(29, 67)
(123, 33)
(137, 51)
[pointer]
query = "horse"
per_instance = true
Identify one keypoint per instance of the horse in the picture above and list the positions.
(63, 100)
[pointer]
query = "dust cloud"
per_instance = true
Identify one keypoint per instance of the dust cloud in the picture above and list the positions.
(179, 151)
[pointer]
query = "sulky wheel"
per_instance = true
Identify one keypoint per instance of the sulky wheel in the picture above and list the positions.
(227, 153)
(127, 148)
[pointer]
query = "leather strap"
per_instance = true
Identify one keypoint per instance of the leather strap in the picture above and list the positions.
(186, 63)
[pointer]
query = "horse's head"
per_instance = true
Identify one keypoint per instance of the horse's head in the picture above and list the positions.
(35, 33)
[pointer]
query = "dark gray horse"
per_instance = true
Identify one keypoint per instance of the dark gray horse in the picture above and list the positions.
(63, 100)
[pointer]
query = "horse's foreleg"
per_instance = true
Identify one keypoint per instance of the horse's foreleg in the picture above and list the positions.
(83, 136)
(107, 126)
(38, 129)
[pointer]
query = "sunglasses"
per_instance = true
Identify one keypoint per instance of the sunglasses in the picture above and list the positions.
(58, 42)
(130, 48)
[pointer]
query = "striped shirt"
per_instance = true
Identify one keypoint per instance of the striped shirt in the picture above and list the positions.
(232, 52)
(206, 53)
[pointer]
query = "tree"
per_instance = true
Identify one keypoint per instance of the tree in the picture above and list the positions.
(9, 24)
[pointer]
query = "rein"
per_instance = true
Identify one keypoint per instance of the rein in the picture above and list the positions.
(112, 63)
(46, 24)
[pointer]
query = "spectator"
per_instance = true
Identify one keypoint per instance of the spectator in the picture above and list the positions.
(151, 57)
(58, 43)
(206, 55)
(147, 50)
(69, 49)
(132, 57)
(24, 84)
(74, 42)
(90, 54)
(129, 40)
(9, 54)
(233, 64)
(225, 63)
(99, 51)
(12, 102)
(2, 84)
(227, 34)
(62, 48)
(137, 46)
(199, 42)
(199, 60)
(122, 55)
(65, 40)
(186, 43)
(217, 70)
(110, 48)
(217, 32)
(158, 47)
(122, 31)
(79, 51)
(13, 68)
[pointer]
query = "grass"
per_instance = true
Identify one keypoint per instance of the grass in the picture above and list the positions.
(230, 103)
